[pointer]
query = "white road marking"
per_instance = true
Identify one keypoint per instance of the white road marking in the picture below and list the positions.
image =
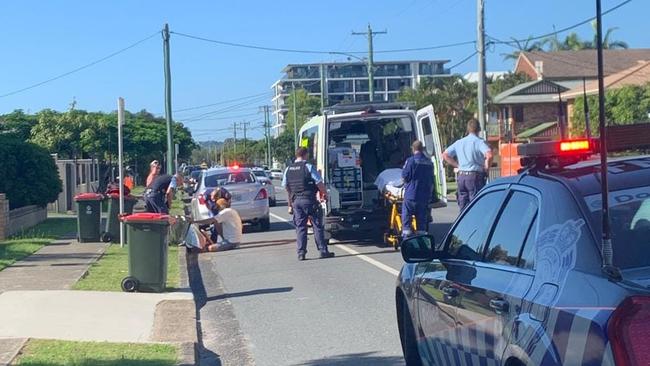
(353, 252)
(365, 258)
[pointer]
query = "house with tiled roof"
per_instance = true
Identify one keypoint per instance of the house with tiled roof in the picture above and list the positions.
(530, 111)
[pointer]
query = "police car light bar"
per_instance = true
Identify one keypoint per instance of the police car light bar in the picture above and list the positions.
(557, 148)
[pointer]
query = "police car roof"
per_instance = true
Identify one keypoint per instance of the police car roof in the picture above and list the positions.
(623, 172)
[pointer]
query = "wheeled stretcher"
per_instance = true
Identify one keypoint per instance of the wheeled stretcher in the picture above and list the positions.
(390, 184)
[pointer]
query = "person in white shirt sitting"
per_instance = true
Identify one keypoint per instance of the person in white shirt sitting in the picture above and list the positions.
(228, 228)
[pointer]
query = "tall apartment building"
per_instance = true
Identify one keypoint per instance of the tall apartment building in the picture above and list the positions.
(348, 82)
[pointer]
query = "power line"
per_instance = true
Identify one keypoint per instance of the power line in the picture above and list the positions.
(81, 67)
(515, 41)
(221, 102)
(317, 52)
(463, 60)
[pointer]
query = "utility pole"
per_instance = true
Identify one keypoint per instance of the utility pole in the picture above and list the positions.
(322, 87)
(120, 153)
(168, 101)
(234, 146)
(267, 133)
(245, 127)
(480, 48)
(371, 68)
(295, 118)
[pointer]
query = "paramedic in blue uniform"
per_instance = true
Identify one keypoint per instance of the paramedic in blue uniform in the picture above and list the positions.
(418, 189)
(159, 194)
(302, 182)
(473, 157)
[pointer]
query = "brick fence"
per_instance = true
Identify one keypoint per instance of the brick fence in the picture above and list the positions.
(16, 220)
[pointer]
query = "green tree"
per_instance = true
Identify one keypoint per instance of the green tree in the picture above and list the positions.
(528, 45)
(509, 80)
(306, 107)
(283, 146)
(453, 99)
(626, 105)
(17, 124)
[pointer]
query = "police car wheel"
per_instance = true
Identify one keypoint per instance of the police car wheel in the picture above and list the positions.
(130, 284)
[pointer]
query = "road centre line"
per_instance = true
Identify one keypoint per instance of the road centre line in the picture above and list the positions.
(353, 252)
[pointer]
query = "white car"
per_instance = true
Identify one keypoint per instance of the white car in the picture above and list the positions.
(263, 178)
(276, 174)
(249, 197)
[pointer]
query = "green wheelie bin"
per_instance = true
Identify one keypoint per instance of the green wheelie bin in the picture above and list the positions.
(89, 216)
(147, 242)
(112, 232)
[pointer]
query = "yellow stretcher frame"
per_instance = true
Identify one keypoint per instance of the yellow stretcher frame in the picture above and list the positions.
(393, 236)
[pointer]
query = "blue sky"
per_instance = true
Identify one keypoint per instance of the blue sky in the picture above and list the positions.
(42, 39)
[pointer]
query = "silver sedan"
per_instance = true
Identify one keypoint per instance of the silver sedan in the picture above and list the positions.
(263, 178)
(249, 197)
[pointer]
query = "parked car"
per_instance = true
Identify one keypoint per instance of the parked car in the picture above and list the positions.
(249, 197)
(263, 178)
(522, 278)
(276, 174)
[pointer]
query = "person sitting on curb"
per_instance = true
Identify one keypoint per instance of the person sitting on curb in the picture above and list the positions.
(227, 225)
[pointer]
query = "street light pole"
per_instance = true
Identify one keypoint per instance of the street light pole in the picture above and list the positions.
(480, 48)
(168, 100)
(295, 117)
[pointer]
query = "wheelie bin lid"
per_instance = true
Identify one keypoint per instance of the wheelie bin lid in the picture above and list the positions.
(146, 217)
(89, 197)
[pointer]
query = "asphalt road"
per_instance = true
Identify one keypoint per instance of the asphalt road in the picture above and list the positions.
(260, 305)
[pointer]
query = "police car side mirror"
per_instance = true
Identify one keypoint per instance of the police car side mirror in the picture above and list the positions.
(417, 249)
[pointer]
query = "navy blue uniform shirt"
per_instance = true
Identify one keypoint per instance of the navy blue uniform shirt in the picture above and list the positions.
(418, 178)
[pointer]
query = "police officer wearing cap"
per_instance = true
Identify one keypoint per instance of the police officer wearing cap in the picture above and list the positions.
(302, 182)
(472, 157)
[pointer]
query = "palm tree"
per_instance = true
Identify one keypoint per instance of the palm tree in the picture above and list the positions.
(527, 45)
(607, 42)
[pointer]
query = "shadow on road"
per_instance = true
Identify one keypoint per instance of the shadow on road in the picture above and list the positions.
(262, 291)
(356, 359)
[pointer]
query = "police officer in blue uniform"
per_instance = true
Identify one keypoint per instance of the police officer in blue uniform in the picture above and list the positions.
(302, 182)
(159, 194)
(474, 159)
(418, 187)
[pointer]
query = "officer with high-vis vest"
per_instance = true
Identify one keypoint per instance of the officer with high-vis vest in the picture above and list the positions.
(302, 182)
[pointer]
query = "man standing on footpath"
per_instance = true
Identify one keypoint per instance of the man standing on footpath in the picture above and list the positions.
(418, 190)
(159, 194)
(474, 158)
(302, 182)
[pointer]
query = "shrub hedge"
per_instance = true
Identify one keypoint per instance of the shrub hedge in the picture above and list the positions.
(28, 174)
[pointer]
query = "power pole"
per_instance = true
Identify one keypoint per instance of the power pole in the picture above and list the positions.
(267, 133)
(322, 87)
(168, 101)
(245, 127)
(234, 146)
(480, 48)
(295, 118)
(371, 68)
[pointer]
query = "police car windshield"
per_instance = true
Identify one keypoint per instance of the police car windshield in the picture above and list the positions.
(222, 179)
(630, 222)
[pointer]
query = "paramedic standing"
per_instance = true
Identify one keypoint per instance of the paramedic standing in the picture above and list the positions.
(473, 157)
(302, 182)
(418, 189)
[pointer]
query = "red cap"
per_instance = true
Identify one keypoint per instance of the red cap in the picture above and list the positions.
(89, 197)
(145, 217)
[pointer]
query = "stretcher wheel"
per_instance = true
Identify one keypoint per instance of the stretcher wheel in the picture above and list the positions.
(130, 284)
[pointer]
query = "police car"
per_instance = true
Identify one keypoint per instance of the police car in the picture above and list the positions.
(522, 277)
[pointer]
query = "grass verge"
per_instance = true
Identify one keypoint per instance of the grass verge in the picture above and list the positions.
(108, 272)
(54, 353)
(29, 241)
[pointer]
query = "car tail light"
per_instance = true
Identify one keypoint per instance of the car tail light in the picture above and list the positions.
(262, 195)
(629, 331)
(201, 199)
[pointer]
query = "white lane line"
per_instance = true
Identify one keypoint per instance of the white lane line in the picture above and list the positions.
(353, 252)
(365, 258)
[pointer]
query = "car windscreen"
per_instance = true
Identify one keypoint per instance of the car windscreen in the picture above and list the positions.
(222, 179)
(630, 222)
(259, 173)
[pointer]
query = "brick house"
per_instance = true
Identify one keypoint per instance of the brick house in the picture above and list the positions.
(529, 111)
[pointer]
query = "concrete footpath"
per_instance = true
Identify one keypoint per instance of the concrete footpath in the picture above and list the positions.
(36, 301)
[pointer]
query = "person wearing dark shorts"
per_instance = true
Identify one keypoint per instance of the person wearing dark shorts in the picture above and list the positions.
(473, 157)
(159, 194)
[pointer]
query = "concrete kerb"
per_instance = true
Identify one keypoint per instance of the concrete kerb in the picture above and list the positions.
(10, 349)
